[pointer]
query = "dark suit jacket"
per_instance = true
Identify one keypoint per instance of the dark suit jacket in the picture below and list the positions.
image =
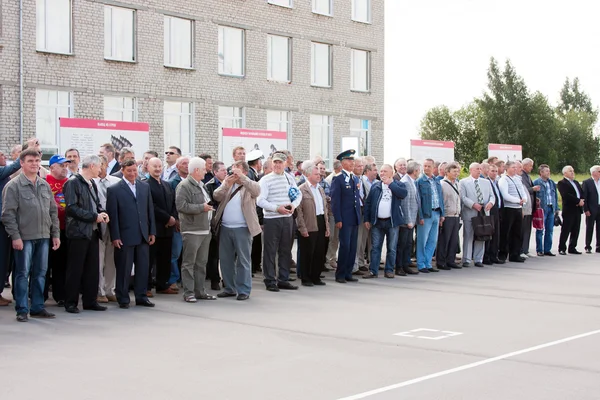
(253, 175)
(590, 195)
(164, 206)
(345, 200)
(570, 200)
(528, 184)
(116, 168)
(131, 217)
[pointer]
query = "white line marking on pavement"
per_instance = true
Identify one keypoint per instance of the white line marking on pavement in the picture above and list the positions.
(467, 366)
(446, 334)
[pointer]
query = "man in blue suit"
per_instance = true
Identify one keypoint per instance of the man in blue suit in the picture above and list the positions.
(431, 216)
(345, 204)
(133, 230)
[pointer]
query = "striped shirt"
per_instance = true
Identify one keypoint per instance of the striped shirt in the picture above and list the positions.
(274, 192)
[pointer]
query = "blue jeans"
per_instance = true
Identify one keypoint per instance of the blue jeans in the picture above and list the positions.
(378, 231)
(176, 247)
(543, 237)
(31, 261)
(427, 235)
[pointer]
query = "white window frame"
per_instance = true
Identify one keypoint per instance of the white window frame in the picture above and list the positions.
(283, 124)
(222, 50)
(313, 61)
(290, 3)
(362, 133)
(230, 118)
(123, 109)
(170, 48)
(355, 4)
(316, 11)
(45, 27)
(57, 107)
(353, 80)
(271, 61)
(328, 158)
(182, 115)
(112, 36)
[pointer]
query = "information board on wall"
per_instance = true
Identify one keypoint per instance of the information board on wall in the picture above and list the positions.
(87, 135)
(437, 150)
(505, 152)
(251, 139)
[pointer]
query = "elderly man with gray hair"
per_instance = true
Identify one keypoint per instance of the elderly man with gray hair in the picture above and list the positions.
(591, 207)
(527, 165)
(84, 216)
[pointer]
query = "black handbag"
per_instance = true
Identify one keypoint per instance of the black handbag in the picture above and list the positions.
(483, 226)
(557, 220)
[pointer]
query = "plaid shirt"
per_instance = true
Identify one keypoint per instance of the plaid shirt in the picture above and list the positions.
(410, 204)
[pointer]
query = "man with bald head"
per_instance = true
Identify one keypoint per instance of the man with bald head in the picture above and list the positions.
(165, 215)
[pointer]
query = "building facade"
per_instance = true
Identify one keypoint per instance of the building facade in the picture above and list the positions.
(312, 68)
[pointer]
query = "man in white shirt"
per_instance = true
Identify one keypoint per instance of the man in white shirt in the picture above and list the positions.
(513, 197)
(72, 167)
(171, 156)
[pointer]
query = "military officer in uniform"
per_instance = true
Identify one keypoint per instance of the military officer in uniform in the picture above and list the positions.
(345, 204)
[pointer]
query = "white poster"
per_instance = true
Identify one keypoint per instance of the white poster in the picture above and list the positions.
(251, 139)
(87, 135)
(505, 152)
(435, 149)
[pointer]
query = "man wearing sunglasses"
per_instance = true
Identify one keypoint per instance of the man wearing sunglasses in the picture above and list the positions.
(170, 170)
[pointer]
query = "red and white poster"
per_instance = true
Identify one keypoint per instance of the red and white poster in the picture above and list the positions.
(437, 150)
(251, 139)
(87, 135)
(505, 152)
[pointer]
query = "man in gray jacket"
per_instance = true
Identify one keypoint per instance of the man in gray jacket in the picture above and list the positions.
(30, 216)
(410, 210)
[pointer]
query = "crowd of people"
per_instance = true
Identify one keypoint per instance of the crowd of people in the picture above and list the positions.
(98, 227)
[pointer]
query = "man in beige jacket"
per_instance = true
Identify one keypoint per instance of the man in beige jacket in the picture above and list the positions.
(239, 224)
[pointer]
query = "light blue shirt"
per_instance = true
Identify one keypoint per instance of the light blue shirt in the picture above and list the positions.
(435, 200)
(131, 186)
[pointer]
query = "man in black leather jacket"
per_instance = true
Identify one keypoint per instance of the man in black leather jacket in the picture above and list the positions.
(84, 214)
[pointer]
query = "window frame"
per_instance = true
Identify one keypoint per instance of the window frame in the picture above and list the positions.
(270, 62)
(369, 12)
(192, 42)
(313, 65)
(70, 107)
(222, 50)
(358, 133)
(368, 71)
(181, 115)
(274, 3)
(123, 109)
(46, 48)
(329, 159)
(112, 57)
(314, 8)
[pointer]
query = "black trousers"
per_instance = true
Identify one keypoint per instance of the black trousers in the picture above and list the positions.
(526, 233)
(570, 230)
(160, 258)
(57, 270)
(124, 259)
(590, 221)
(492, 246)
(256, 252)
(212, 265)
(82, 271)
(312, 251)
(405, 247)
(447, 241)
(510, 233)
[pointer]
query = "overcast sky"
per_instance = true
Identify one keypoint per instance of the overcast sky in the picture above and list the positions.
(437, 52)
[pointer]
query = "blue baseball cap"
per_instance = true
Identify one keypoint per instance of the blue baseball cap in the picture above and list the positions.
(58, 159)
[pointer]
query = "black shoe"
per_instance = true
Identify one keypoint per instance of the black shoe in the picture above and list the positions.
(286, 286)
(466, 265)
(307, 283)
(358, 273)
(60, 303)
(72, 309)
(370, 275)
(478, 264)
(272, 288)
(242, 297)
(215, 286)
(351, 280)
(22, 317)
(454, 266)
(588, 251)
(574, 252)
(410, 271)
(433, 270)
(363, 269)
(319, 283)
(290, 279)
(498, 261)
(144, 303)
(7, 283)
(443, 267)
(95, 307)
(516, 259)
(341, 280)
(42, 314)
(549, 254)
(424, 271)
(124, 305)
(540, 254)
(400, 272)
(225, 294)
(487, 262)
(562, 252)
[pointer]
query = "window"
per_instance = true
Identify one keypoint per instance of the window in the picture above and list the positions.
(324, 7)
(50, 105)
(178, 126)
(119, 34)
(321, 65)
(120, 109)
(360, 134)
(361, 11)
(179, 42)
(231, 117)
(53, 26)
(231, 51)
(283, 3)
(321, 137)
(360, 70)
(278, 58)
(278, 121)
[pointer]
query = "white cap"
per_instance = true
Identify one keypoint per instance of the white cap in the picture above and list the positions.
(254, 155)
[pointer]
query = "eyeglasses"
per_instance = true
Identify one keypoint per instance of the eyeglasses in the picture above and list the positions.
(169, 153)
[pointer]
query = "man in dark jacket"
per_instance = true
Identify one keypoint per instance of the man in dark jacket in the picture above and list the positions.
(83, 216)
(254, 160)
(219, 173)
(591, 207)
(572, 208)
(382, 216)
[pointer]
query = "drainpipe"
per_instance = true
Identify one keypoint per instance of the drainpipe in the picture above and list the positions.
(20, 71)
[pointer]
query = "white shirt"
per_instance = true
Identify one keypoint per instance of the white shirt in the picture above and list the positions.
(597, 183)
(233, 217)
(317, 198)
(167, 172)
(575, 187)
(131, 186)
(385, 204)
(111, 166)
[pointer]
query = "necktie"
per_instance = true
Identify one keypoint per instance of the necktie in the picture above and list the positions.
(478, 191)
